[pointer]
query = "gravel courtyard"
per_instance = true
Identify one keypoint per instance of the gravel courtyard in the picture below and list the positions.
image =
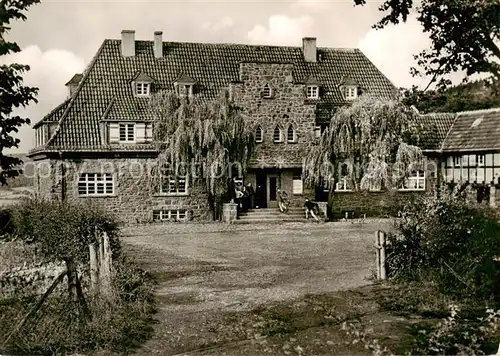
(208, 271)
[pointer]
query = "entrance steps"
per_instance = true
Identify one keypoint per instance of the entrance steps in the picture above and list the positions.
(271, 215)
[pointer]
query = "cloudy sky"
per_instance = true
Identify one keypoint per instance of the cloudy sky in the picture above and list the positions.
(60, 37)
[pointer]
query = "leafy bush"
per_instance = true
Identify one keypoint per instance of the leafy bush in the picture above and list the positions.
(63, 230)
(446, 240)
(456, 335)
(119, 326)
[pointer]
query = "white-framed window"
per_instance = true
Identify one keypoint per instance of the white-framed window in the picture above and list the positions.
(184, 90)
(127, 132)
(267, 91)
(457, 160)
(291, 135)
(317, 131)
(297, 186)
(343, 185)
(416, 181)
(173, 183)
(95, 184)
(277, 134)
(259, 134)
(169, 214)
(312, 92)
(351, 92)
(142, 89)
(480, 160)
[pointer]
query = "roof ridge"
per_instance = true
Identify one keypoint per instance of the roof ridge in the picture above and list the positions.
(241, 44)
(51, 112)
(73, 97)
(479, 111)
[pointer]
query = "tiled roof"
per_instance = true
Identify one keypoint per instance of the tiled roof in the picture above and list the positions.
(75, 80)
(436, 127)
(53, 116)
(474, 130)
(105, 92)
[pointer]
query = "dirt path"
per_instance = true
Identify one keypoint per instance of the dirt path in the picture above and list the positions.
(211, 277)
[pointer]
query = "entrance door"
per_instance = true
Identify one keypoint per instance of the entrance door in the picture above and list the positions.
(272, 201)
(261, 190)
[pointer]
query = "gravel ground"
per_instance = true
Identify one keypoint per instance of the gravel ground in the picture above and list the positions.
(209, 271)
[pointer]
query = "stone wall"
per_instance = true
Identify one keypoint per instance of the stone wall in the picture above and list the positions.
(136, 191)
(287, 105)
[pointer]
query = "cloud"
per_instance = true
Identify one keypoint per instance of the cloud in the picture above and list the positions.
(222, 24)
(50, 70)
(281, 30)
(311, 5)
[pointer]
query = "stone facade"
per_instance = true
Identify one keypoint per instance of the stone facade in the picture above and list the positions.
(136, 190)
(287, 105)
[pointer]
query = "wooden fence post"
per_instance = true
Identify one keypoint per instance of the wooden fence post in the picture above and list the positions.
(94, 284)
(105, 265)
(380, 245)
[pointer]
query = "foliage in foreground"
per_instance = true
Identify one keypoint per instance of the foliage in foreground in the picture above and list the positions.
(445, 240)
(119, 326)
(61, 232)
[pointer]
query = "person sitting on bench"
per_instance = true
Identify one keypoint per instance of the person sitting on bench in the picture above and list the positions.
(310, 207)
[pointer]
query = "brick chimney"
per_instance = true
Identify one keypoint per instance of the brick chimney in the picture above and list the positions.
(158, 44)
(309, 49)
(128, 43)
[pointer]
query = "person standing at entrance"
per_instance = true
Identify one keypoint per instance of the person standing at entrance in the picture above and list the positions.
(251, 196)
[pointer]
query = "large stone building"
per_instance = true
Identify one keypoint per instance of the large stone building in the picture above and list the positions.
(95, 145)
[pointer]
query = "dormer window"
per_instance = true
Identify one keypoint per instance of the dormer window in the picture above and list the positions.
(312, 92)
(351, 92)
(184, 86)
(142, 89)
(267, 92)
(127, 132)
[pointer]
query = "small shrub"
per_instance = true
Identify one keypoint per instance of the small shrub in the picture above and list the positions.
(445, 240)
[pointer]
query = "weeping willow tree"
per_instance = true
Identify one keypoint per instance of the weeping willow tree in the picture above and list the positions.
(208, 141)
(371, 143)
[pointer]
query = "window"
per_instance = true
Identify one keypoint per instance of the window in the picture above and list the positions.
(267, 92)
(317, 131)
(259, 134)
(416, 181)
(351, 92)
(127, 132)
(291, 135)
(480, 160)
(456, 161)
(172, 183)
(343, 185)
(184, 90)
(166, 215)
(312, 92)
(142, 89)
(277, 134)
(297, 186)
(95, 184)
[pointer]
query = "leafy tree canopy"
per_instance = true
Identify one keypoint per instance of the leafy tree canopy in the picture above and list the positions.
(465, 35)
(206, 140)
(372, 142)
(470, 96)
(13, 93)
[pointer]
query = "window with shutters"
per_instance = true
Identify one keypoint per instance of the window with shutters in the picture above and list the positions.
(95, 184)
(127, 132)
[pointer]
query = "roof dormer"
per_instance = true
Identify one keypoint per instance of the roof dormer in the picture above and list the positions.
(141, 85)
(349, 88)
(312, 88)
(184, 86)
(73, 83)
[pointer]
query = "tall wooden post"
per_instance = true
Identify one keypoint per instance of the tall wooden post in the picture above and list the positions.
(380, 245)
(94, 284)
(105, 265)
(493, 191)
